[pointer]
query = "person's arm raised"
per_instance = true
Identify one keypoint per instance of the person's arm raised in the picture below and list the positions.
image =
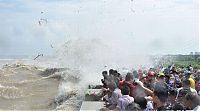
(147, 91)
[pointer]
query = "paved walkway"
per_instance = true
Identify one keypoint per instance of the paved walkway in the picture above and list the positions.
(92, 105)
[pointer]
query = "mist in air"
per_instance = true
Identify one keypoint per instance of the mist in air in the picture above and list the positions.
(78, 39)
(99, 33)
(133, 27)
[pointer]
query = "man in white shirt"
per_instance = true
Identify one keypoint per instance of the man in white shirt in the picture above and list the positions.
(186, 85)
(113, 95)
(125, 100)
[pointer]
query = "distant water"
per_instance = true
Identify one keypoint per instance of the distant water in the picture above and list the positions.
(26, 84)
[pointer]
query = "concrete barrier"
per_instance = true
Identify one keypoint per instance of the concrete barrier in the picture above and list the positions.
(93, 94)
(92, 105)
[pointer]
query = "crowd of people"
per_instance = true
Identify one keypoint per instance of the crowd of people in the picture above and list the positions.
(161, 89)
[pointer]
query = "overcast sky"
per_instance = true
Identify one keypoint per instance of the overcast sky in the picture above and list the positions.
(150, 26)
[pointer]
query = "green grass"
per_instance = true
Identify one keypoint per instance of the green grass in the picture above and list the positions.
(187, 63)
(182, 60)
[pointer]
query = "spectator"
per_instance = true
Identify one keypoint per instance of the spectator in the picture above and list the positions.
(105, 77)
(192, 101)
(160, 95)
(113, 95)
(186, 85)
(142, 102)
(128, 82)
(161, 77)
(133, 107)
(188, 76)
(178, 107)
(125, 100)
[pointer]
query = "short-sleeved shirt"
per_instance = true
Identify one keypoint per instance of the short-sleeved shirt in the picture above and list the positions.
(116, 94)
(130, 85)
(124, 101)
(192, 83)
(191, 89)
(149, 106)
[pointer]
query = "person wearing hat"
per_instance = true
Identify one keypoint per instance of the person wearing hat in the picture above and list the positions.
(161, 77)
(150, 80)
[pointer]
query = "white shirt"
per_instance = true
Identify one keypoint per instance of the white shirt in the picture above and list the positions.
(124, 101)
(191, 89)
(149, 106)
(116, 94)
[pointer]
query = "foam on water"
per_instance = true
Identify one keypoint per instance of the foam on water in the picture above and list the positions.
(30, 87)
(59, 82)
(86, 59)
(23, 88)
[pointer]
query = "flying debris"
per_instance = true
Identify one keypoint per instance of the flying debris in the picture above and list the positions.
(38, 56)
(39, 22)
(42, 21)
(132, 10)
(51, 46)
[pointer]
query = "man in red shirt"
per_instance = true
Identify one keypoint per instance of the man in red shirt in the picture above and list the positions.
(128, 82)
